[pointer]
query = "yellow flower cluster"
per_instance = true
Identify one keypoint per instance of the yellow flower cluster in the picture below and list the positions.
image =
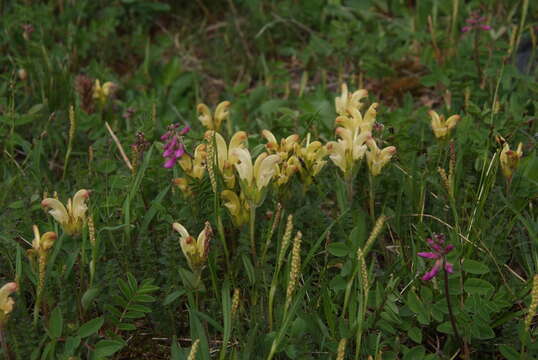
(72, 216)
(195, 251)
(6, 303)
(510, 159)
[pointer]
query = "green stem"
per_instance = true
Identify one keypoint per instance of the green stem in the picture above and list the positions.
(252, 221)
(372, 196)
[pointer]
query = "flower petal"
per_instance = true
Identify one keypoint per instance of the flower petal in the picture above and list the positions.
(58, 210)
(428, 255)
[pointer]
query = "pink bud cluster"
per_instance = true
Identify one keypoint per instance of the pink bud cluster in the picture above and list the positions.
(440, 250)
(173, 148)
(476, 22)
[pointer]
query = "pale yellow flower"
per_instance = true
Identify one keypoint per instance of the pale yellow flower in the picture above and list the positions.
(347, 104)
(378, 158)
(194, 166)
(237, 206)
(213, 122)
(102, 93)
(440, 127)
(72, 217)
(510, 159)
(283, 149)
(311, 157)
(225, 157)
(6, 302)
(287, 169)
(195, 251)
(254, 179)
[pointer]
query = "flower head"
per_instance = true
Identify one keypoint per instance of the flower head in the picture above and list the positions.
(6, 303)
(440, 127)
(255, 178)
(102, 93)
(213, 122)
(72, 217)
(237, 207)
(378, 158)
(195, 250)
(476, 22)
(510, 159)
(174, 147)
(311, 157)
(438, 253)
(225, 157)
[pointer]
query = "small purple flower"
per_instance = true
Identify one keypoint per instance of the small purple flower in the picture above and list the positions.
(476, 22)
(440, 250)
(173, 148)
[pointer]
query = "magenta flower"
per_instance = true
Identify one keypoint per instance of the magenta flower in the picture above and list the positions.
(440, 250)
(173, 148)
(476, 22)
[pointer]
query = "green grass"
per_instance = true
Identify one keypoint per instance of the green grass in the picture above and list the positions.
(126, 290)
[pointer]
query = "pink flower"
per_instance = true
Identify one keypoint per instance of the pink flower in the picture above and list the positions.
(173, 148)
(440, 250)
(476, 22)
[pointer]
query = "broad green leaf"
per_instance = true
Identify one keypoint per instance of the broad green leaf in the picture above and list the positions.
(56, 323)
(475, 267)
(415, 334)
(107, 347)
(338, 249)
(478, 286)
(173, 296)
(91, 327)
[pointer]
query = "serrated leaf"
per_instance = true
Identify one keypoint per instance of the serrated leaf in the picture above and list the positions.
(91, 327)
(475, 267)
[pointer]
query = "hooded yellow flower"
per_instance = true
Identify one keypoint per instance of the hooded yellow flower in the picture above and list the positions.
(213, 122)
(195, 251)
(194, 166)
(440, 127)
(510, 159)
(6, 303)
(72, 217)
(348, 104)
(378, 158)
(237, 206)
(102, 93)
(225, 157)
(286, 146)
(254, 179)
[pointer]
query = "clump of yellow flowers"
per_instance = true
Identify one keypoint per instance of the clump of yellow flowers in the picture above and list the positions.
(213, 122)
(101, 93)
(441, 127)
(72, 216)
(510, 159)
(6, 302)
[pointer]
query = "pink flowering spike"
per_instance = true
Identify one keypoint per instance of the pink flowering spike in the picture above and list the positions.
(471, 21)
(449, 248)
(169, 163)
(185, 130)
(428, 255)
(179, 152)
(430, 241)
(437, 248)
(485, 27)
(168, 152)
(449, 268)
(465, 29)
(165, 136)
(432, 273)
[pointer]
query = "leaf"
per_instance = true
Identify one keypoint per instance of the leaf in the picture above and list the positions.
(475, 267)
(445, 328)
(338, 249)
(90, 327)
(107, 347)
(416, 353)
(477, 286)
(173, 296)
(415, 334)
(481, 330)
(56, 322)
(509, 352)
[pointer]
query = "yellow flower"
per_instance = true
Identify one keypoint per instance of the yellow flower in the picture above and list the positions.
(510, 159)
(225, 157)
(377, 158)
(349, 149)
(286, 171)
(194, 166)
(286, 146)
(440, 127)
(213, 122)
(102, 93)
(6, 303)
(347, 104)
(71, 218)
(195, 251)
(237, 206)
(312, 159)
(254, 179)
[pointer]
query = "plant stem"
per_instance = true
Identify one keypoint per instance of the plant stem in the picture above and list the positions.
(463, 346)
(477, 55)
(5, 348)
(252, 221)
(372, 196)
